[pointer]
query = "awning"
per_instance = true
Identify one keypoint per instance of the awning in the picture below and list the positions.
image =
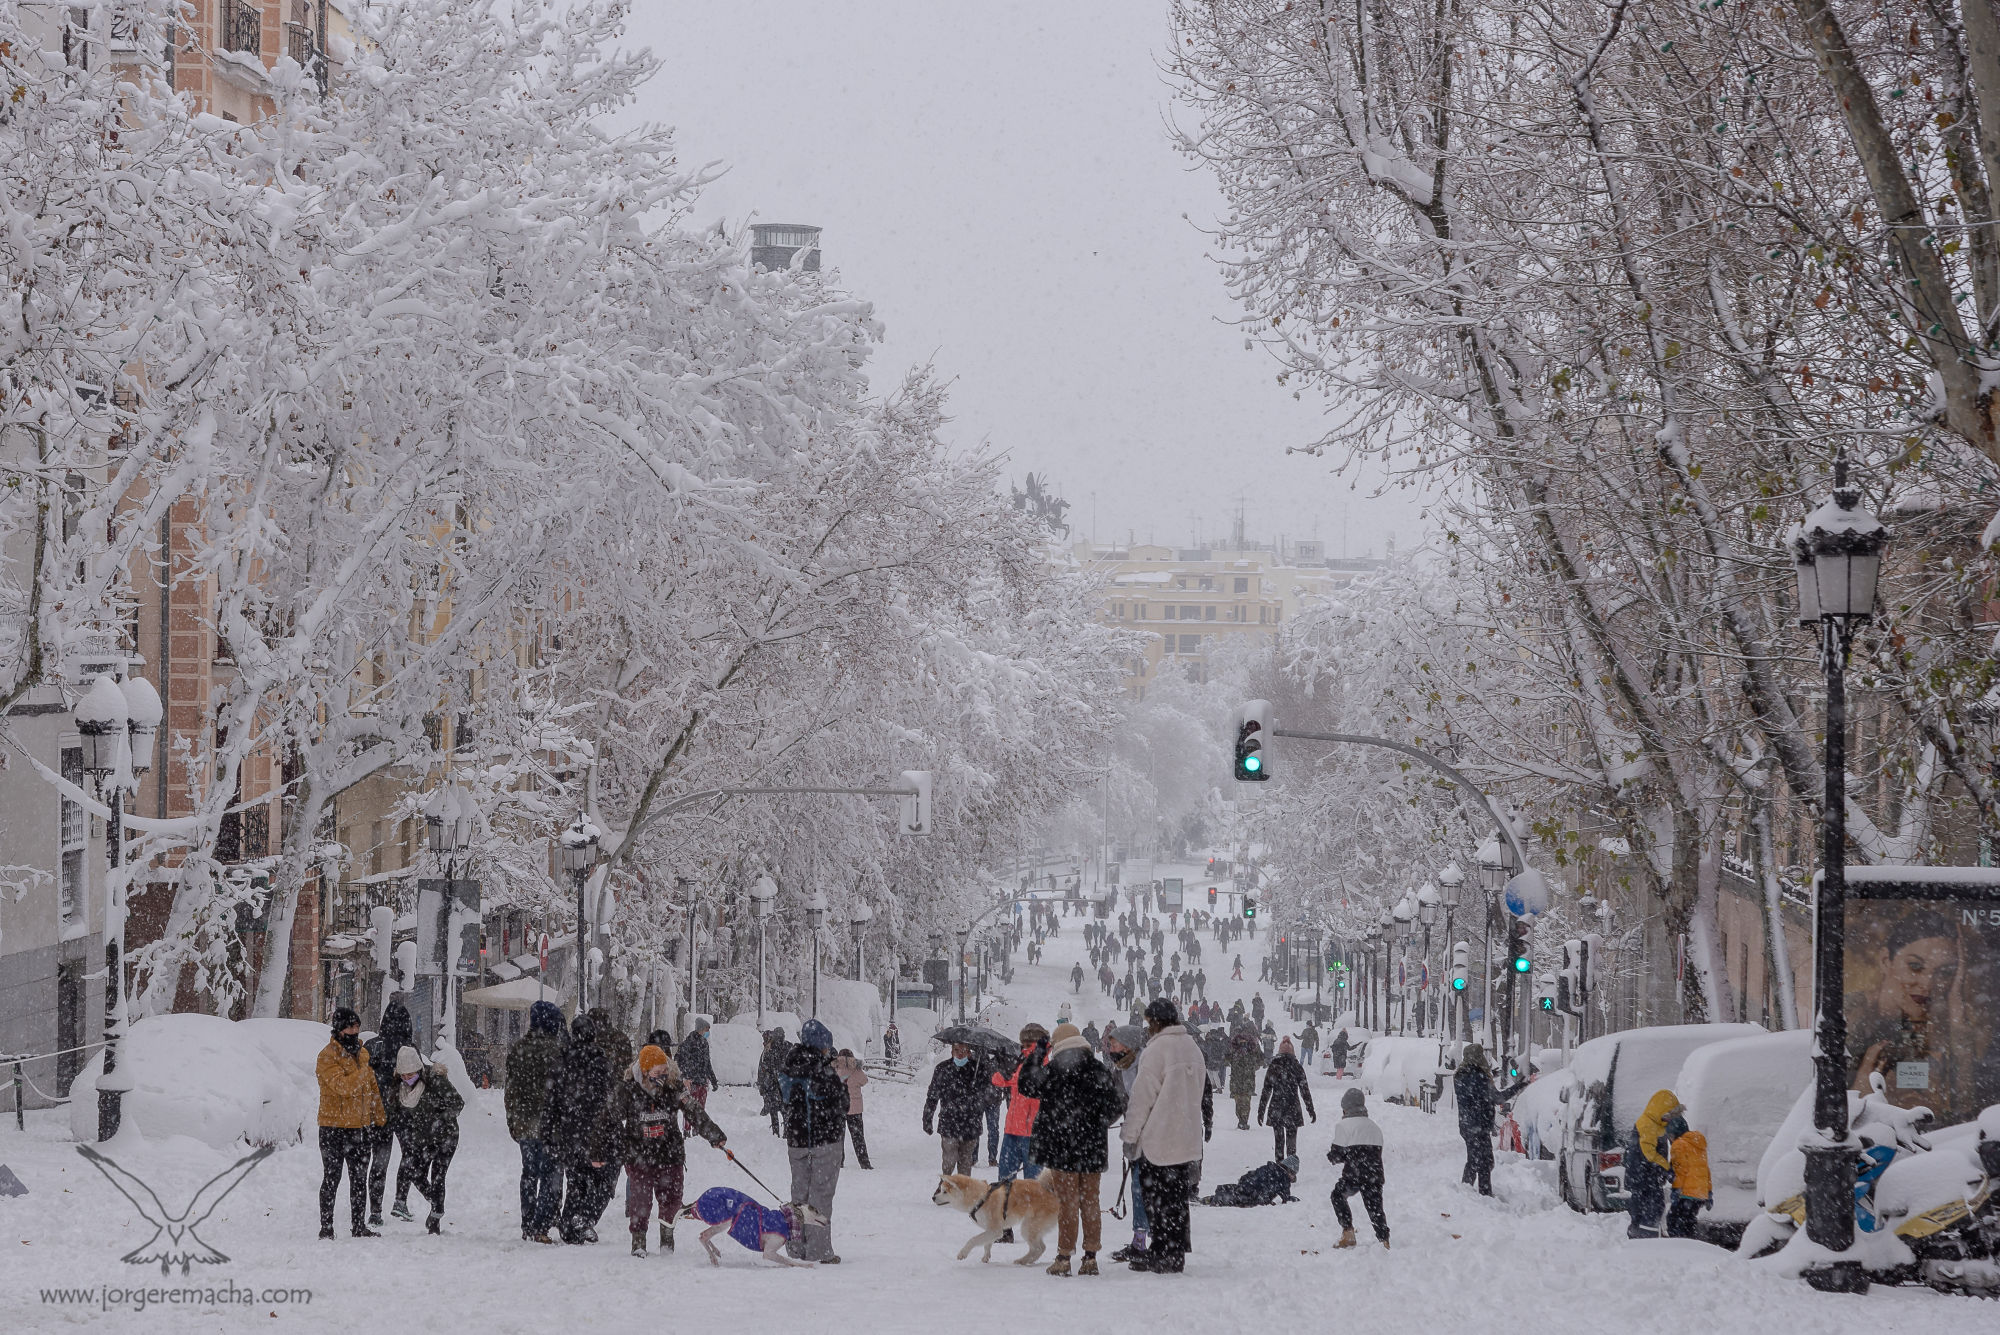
(515, 996)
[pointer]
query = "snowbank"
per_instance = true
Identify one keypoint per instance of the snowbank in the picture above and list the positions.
(734, 1050)
(1737, 1094)
(222, 1082)
(853, 1011)
(1538, 1112)
(1399, 1067)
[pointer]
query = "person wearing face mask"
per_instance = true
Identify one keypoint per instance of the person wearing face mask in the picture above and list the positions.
(350, 1110)
(426, 1121)
(956, 1102)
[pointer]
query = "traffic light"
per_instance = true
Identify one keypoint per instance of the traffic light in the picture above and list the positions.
(1249, 907)
(916, 803)
(1517, 947)
(1211, 892)
(1253, 726)
(1461, 958)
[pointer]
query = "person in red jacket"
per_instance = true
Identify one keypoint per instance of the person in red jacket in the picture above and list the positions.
(1016, 1143)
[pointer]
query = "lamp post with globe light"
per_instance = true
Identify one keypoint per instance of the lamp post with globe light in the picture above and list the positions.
(1427, 912)
(763, 897)
(816, 908)
(1451, 882)
(579, 854)
(1838, 550)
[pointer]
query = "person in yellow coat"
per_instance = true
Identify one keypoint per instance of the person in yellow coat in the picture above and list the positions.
(350, 1108)
(1647, 1168)
(1693, 1188)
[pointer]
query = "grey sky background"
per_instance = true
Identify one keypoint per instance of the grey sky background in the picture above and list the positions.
(997, 179)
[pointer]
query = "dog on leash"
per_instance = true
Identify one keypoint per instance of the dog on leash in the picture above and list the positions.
(762, 1231)
(996, 1207)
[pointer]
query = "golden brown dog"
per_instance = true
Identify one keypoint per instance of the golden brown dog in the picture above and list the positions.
(997, 1207)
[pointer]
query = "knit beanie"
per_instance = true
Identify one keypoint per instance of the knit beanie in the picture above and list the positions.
(408, 1062)
(1064, 1031)
(1032, 1033)
(1354, 1103)
(650, 1060)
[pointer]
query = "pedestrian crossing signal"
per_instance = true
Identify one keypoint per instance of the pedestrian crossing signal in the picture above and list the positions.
(1547, 1003)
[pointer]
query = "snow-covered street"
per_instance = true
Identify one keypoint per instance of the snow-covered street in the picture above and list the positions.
(1459, 1262)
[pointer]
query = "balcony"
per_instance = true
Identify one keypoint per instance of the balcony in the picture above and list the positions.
(241, 27)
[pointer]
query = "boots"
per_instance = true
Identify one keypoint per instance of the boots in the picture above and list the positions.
(638, 1242)
(326, 1231)
(1346, 1238)
(1060, 1266)
(401, 1210)
(431, 1224)
(666, 1236)
(1385, 1244)
(1089, 1266)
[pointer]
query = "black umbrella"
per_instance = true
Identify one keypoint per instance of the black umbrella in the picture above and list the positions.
(983, 1039)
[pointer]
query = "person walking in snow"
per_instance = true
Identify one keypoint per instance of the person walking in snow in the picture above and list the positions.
(1286, 1102)
(1078, 1099)
(1473, 1087)
(1309, 1043)
(649, 1105)
(1201, 983)
(696, 1068)
(531, 1073)
(1076, 977)
(815, 1124)
(1268, 1041)
(1257, 1007)
(1357, 1149)
(1693, 1187)
(1245, 1056)
(1164, 1132)
(1215, 1053)
(574, 1128)
(954, 1106)
(350, 1113)
(1237, 974)
(391, 1039)
(769, 1064)
(1649, 1164)
(1017, 1142)
(854, 1076)
(424, 1111)
(1337, 1053)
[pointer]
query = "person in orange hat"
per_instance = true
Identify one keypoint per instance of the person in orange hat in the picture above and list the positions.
(643, 1111)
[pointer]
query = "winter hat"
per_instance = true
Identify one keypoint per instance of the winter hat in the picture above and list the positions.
(408, 1062)
(701, 1024)
(343, 1017)
(1033, 1033)
(1354, 1103)
(1285, 1044)
(545, 1017)
(1291, 1163)
(1475, 1057)
(1162, 1012)
(1064, 1031)
(1129, 1036)
(813, 1034)
(650, 1060)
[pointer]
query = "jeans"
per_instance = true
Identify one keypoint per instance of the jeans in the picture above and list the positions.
(1076, 1203)
(644, 1184)
(815, 1175)
(1168, 1233)
(1138, 1205)
(343, 1147)
(541, 1187)
(1014, 1151)
(1371, 1200)
(992, 1133)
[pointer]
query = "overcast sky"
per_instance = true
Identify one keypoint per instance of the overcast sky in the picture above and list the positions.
(997, 179)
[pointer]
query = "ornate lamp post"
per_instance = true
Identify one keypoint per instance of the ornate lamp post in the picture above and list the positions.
(448, 824)
(579, 855)
(1427, 912)
(1839, 553)
(1451, 882)
(763, 896)
(118, 721)
(816, 919)
(863, 915)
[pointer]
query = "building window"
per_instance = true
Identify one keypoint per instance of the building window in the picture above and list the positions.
(1190, 613)
(1242, 584)
(1210, 614)
(1190, 644)
(1167, 612)
(75, 831)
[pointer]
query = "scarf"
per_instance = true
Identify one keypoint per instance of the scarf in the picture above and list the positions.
(410, 1094)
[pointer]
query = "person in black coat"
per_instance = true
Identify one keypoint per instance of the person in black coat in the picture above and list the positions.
(383, 1049)
(1357, 1150)
(1472, 1085)
(1337, 1053)
(1279, 1107)
(1264, 1185)
(1080, 1099)
(424, 1111)
(576, 1133)
(769, 1065)
(956, 1101)
(815, 1129)
(697, 1071)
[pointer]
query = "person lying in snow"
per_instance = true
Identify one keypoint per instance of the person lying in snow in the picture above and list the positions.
(1266, 1185)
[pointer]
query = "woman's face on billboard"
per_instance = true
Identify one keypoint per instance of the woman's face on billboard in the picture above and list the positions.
(1918, 976)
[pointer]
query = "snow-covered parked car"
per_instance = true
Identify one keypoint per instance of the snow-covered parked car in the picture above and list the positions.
(1604, 1090)
(222, 1082)
(1737, 1094)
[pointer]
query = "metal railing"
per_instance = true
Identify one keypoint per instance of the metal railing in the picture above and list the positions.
(240, 27)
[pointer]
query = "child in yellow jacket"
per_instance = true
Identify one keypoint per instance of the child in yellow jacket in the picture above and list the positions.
(1692, 1186)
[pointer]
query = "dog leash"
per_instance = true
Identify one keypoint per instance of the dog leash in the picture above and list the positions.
(1117, 1210)
(730, 1155)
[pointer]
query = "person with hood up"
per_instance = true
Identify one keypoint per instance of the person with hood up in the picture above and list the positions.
(815, 1123)
(1694, 1189)
(391, 1039)
(1245, 1056)
(1472, 1084)
(575, 1130)
(1285, 1090)
(1164, 1132)
(1336, 1052)
(769, 1065)
(696, 1068)
(531, 1074)
(1122, 1045)
(647, 1107)
(350, 1112)
(854, 1076)
(1017, 1144)
(1078, 1100)
(892, 1044)
(1357, 1148)
(955, 1103)
(1266, 1184)
(424, 1110)
(1649, 1164)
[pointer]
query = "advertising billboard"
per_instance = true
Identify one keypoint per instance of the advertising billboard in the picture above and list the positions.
(1922, 958)
(1170, 894)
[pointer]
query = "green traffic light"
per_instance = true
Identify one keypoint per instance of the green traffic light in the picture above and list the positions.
(1458, 985)
(1522, 964)
(1253, 763)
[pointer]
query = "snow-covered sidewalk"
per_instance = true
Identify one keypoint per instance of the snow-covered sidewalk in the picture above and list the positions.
(1459, 1262)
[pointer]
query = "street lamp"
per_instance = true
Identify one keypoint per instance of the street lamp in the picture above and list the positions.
(863, 915)
(763, 897)
(1839, 557)
(1427, 912)
(579, 855)
(816, 919)
(118, 722)
(1405, 927)
(1451, 882)
(448, 821)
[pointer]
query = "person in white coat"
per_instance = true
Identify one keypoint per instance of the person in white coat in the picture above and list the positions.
(1163, 1135)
